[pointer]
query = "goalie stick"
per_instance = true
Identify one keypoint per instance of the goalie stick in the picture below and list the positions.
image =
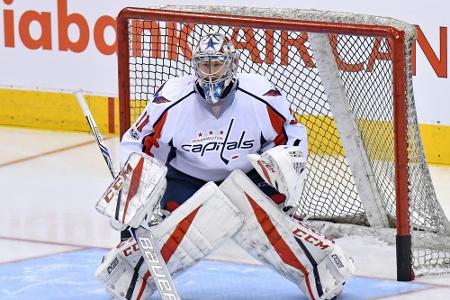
(143, 236)
(95, 132)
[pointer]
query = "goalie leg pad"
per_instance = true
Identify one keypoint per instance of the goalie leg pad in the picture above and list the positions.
(121, 272)
(300, 254)
(191, 232)
(330, 266)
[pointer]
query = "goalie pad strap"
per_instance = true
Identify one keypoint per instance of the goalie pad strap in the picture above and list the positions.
(134, 279)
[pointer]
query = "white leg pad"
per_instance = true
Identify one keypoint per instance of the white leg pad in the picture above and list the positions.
(191, 232)
(297, 252)
(120, 272)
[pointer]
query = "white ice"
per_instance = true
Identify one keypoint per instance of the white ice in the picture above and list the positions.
(51, 180)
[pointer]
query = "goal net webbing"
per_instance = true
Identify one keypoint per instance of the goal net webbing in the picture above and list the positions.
(340, 74)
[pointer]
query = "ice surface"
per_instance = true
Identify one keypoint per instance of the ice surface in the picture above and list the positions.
(51, 237)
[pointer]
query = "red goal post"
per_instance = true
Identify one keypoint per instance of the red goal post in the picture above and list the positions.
(144, 48)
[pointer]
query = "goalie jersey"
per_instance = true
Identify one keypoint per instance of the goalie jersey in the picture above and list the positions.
(179, 129)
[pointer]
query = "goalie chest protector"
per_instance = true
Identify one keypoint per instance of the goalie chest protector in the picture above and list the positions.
(177, 128)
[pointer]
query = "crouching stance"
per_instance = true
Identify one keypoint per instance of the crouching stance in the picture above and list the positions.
(306, 257)
(191, 232)
(294, 250)
(236, 209)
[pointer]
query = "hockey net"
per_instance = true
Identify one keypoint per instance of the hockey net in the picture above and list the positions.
(348, 78)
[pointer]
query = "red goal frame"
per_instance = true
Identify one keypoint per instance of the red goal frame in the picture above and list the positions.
(396, 37)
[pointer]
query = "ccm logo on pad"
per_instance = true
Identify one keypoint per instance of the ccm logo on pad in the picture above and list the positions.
(117, 184)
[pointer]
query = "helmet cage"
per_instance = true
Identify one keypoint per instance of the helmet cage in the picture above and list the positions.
(215, 74)
(215, 65)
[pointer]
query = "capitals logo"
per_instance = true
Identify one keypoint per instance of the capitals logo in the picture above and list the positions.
(220, 144)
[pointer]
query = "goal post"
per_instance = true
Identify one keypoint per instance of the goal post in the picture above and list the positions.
(348, 78)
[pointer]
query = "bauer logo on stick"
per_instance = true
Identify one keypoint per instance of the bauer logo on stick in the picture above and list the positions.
(160, 277)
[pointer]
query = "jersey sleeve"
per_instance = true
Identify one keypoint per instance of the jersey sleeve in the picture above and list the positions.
(286, 130)
(150, 128)
(143, 135)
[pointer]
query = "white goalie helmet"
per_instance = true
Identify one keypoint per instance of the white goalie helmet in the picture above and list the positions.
(215, 62)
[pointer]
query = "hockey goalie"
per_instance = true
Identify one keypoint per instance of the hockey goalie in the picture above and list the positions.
(216, 155)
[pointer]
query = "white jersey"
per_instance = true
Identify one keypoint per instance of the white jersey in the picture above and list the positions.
(179, 130)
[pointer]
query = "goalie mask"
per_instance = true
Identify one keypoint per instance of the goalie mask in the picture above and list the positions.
(215, 63)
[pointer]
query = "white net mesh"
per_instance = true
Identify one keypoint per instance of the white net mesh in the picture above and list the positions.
(333, 191)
